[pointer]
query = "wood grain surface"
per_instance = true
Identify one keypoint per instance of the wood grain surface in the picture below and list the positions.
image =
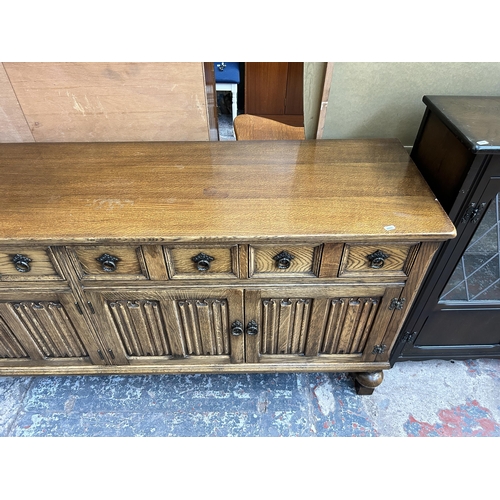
(13, 125)
(263, 263)
(41, 267)
(107, 102)
(318, 191)
(223, 265)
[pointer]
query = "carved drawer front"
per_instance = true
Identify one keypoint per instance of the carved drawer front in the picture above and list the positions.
(284, 260)
(197, 262)
(377, 260)
(109, 262)
(27, 264)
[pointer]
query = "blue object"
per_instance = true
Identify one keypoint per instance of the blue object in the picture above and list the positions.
(227, 72)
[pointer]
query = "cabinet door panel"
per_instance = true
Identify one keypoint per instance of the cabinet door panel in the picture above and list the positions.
(170, 326)
(265, 88)
(44, 328)
(317, 322)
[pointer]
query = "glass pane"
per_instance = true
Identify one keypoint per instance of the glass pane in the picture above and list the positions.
(477, 275)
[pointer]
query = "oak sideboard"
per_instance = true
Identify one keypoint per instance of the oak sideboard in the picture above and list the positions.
(186, 257)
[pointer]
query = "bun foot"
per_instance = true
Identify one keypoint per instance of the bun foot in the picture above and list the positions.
(365, 382)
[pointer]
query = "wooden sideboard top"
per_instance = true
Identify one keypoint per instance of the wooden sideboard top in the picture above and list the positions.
(325, 190)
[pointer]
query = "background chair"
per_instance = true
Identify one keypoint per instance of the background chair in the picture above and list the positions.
(254, 128)
(227, 78)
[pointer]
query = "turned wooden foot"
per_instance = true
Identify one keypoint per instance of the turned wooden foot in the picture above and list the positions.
(365, 382)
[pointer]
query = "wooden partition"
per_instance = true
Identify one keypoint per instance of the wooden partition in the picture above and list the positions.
(87, 102)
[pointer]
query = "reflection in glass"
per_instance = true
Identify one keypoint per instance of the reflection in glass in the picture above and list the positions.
(477, 275)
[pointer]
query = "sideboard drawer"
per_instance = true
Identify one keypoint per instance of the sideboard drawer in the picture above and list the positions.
(109, 262)
(284, 260)
(377, 260)
(202, 262)
(27, 264)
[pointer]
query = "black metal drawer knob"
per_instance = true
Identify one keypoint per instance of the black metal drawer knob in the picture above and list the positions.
(237, 328)
(283, 260)
(202, 261)
(252, 328)
(377, 259)
(108, 262)
(22, 263)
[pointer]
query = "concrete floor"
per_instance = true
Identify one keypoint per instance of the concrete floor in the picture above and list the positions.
(428, 398)
(226, 130)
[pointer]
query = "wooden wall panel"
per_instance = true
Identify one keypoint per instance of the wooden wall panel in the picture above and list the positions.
(112, 101)
(13, 125)
(211, 93)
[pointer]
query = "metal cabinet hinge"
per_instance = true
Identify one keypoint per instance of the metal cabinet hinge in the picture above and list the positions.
(77, 305)
(91, 307)
(408, 337)
(379, 349)
(473, 213)
(397, 304)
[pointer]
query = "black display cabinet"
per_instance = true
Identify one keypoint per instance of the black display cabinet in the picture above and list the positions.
(457, 312)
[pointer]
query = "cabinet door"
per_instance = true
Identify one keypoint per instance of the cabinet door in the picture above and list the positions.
(460, 315)
(265, 88)
(186, 327)
(322, 323)
(45, 328)
(274, 90)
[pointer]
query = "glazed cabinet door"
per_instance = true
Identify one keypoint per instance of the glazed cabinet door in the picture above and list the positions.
(45, 329)
(320, 323)
(182, 326)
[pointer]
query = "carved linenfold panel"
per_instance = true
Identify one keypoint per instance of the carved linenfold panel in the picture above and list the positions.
(9, 345)
(284, 325)
(205, 326)
(201, 328)
(51, 329)
(140, 326)
(348, 325)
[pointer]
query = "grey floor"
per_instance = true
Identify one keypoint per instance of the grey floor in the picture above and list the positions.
(428, 398)
(226, 130)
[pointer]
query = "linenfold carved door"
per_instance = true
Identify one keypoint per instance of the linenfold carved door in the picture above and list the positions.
(171, 326)
(317, 322)
(45, 328)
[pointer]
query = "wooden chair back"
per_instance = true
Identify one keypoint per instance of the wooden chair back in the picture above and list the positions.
(256, 128)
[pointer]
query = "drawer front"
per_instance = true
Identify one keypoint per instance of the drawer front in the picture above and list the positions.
(109, 262)
(377, 260)
(27, 264)
(284, 260)
(196, 262)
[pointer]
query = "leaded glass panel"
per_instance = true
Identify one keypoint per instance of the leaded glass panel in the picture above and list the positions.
(477, 275)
